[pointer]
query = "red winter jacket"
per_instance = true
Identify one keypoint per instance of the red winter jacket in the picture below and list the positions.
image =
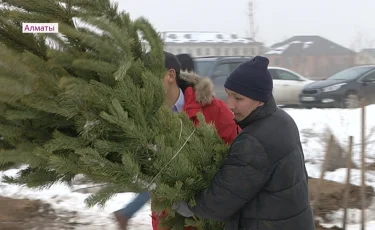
(201, 99)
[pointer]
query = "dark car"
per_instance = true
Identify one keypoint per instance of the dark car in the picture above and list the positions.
(287, 84)
(342, 90)
(218, 69)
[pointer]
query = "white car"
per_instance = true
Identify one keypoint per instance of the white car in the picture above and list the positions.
(287, 84)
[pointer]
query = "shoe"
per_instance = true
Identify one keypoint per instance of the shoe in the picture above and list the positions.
(121, 219)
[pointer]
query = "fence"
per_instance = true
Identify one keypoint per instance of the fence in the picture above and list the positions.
(364, 193)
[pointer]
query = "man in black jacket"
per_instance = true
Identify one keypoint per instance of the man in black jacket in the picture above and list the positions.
(263, 183)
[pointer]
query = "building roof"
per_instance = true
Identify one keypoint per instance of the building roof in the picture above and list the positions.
(308, 46)
(175, 37)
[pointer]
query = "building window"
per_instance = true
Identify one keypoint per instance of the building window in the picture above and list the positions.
(235, 51)
(208, 51)
(246, 52)
(172, 36)
(253, 51)
(226, 51)
(199, 51)
(217, 51)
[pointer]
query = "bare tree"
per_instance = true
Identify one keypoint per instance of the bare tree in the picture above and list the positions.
(362, 41)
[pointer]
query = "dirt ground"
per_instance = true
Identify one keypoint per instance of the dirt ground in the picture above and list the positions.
(331, 196)
(319, 227)
(22, 214)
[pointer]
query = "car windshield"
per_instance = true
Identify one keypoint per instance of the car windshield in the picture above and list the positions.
(202, 68)
(350, 74)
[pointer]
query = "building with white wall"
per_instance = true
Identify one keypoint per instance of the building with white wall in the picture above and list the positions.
(200, 44)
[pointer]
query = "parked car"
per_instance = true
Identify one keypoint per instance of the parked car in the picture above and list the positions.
(287, 84)
(218, 69)
(342, 90)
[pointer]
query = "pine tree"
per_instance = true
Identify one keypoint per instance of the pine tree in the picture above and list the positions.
(91, 102)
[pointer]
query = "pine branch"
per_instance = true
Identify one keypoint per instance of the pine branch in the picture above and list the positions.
(91, 101)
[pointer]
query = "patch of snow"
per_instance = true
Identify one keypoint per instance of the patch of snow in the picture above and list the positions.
(63, 197)
(202, 37)
(307, 44)
(342, 123)
(278, 50)
(281, 49)
(353, 218)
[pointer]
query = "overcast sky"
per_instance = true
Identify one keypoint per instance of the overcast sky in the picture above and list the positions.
(337, 20)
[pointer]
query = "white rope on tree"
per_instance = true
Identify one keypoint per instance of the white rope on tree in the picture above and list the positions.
(170, 161)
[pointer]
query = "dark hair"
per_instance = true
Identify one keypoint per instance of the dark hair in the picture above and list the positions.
(170, 61)
(187, 62)
(182, 62)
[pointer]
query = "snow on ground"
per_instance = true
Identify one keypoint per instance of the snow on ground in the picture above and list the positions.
(63, 197)
(342, 122)
(313, 124)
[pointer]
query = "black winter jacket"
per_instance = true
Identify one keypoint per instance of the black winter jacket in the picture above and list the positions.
(263, 183)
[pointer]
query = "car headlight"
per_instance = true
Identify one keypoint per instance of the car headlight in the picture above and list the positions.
(333, 87)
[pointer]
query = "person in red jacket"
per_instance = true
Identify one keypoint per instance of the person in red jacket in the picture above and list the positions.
(189, 93)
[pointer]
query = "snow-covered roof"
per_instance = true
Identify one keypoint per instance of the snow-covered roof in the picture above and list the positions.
(282, 48)
(307, 45)
(202, 37)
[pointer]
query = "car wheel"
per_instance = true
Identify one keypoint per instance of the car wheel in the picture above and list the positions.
(352, 101)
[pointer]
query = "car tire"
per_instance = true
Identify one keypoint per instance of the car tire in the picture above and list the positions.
(351, 100)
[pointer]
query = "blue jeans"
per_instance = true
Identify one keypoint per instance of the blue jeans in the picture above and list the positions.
(137, 203)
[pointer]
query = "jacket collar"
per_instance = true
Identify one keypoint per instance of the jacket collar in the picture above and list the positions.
(202, 88)
(263, 111)
(200, 93)
(180, 103)
(192, 106)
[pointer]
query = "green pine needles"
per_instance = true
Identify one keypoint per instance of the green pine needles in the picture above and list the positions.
(91, 102)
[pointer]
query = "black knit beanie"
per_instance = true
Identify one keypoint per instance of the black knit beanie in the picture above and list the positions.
(252, 79)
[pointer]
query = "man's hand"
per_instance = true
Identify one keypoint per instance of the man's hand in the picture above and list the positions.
(183, 209)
